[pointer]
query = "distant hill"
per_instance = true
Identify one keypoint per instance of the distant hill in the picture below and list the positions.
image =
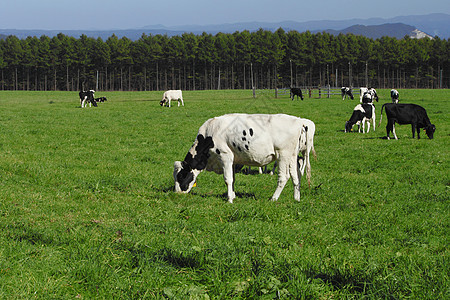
(397, 30)
(437, 24)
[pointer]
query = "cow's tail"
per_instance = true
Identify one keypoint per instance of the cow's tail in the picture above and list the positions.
(381, 115)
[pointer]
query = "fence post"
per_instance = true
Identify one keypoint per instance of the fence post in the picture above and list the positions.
(320, 92)
(276, 93)
(328, 96)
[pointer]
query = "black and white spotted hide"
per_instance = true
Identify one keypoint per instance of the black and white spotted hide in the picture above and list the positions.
(251, 140)
(87, 97)
(394, 96)
(346, 92)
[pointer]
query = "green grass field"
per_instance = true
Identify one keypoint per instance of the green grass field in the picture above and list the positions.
(88, 210)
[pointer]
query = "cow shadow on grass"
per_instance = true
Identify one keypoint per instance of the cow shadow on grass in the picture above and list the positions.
(376, 138)
(170, 188)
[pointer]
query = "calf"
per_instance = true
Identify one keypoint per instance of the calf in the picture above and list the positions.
(394, 96)
(362, 113)
(253, 140)
(412, 114)
(172, 95)
(87, 97)
(345, 91)
(296, 92)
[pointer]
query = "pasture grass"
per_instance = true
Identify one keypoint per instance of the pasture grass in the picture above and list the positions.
(88, 210)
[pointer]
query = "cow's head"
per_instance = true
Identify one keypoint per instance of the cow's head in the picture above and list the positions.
(429, 130)
(184, 176)
(348, 126)
(350, 94)
(162, 102)
(185, 172)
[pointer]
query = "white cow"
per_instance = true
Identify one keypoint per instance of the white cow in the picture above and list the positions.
(253, 140)
(172, 95)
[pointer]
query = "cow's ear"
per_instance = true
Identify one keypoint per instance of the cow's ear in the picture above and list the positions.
(306, 128)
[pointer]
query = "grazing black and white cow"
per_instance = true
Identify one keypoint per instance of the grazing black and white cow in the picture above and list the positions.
(367, 95)
(362, 113)
(345, 91)
(253, 140)
(87, 97)
(101, 99)
(412, 114)
(172, 95)
(296, 92)
(394, 96)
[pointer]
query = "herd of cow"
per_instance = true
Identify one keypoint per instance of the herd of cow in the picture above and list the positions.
(259, 139)
(364, 112)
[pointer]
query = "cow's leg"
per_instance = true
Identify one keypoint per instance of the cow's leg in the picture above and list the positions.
(169, 102)
(293, 172)
(283, 176)
(389, 126)
(228, 176)
(182, 102)
(393, 131)
(418, 132)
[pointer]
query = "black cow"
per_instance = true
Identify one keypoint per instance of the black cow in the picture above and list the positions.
(296, 92)
(87, 97)
(412, 114)
(345, 91)
(362, 113)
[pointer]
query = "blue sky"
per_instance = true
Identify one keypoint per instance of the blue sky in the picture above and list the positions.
(118, 14)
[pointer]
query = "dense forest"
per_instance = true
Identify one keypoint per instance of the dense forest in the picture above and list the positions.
(261, 59)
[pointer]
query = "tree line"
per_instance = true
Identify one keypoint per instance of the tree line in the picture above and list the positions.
(241, 60)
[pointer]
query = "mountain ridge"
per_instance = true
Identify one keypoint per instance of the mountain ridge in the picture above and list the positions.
(437, 24)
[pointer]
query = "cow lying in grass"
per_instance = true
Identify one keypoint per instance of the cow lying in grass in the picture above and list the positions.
(253, 140)
(101, 99)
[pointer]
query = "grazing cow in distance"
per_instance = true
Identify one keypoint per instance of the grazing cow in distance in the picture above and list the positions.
(172, 95)
(87, 97)
(412, 114)
(394, 96)
(362, 91)
(253, 140)
(296, 92)
(362, 113)
(368, 95)
(345, 91)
